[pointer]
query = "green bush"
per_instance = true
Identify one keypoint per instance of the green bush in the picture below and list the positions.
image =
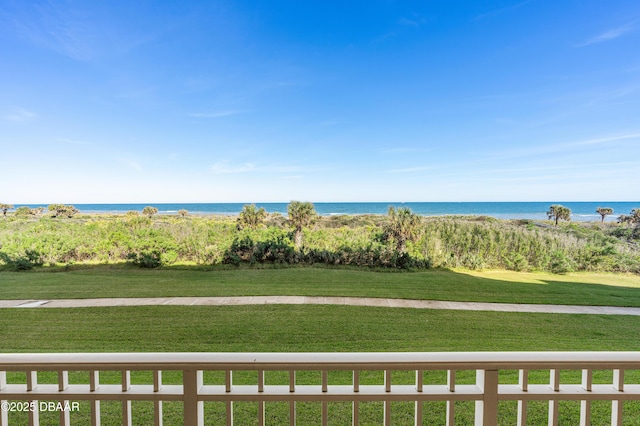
(146, 259)
(22, 262)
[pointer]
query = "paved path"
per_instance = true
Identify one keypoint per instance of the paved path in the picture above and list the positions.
(319, 300)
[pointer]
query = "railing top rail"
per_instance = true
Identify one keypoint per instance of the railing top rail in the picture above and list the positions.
(320, 360)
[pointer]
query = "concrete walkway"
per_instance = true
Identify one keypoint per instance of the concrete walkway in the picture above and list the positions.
(315, 300)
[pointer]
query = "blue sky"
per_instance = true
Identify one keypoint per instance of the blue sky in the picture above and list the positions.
(258, 101)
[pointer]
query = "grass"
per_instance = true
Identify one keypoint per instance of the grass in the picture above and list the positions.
(491, 286)
(298, 329)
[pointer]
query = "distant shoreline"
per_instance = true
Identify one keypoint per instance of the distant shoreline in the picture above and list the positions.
(581, 211)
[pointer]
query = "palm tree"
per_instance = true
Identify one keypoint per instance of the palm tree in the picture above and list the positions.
(403, 226)
(5, 207)
(604, 211)
(149, 211)
(301, 213)
(559, 212)
(251, 217)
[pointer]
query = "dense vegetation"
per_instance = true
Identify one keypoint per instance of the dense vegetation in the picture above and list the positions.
(371, 241)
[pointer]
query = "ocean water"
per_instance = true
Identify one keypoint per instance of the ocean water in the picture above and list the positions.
(581, 211)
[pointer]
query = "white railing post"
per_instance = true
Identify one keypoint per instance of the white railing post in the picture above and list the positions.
(523, 381)
(126, 404)
(418, 410)
(451, 407)
(228, 386)
(487, 408)
(193, 407)
(63, 384)
(94, 384)
(4, 414)
(616, 404)
(355, 415)
(157, 405)
(387, 403)
(292, 404)
(554, 382)
(32, 384)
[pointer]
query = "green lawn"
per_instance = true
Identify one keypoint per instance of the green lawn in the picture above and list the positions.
(490, 286)
(307, 328)
(316, 328)
(300, 328)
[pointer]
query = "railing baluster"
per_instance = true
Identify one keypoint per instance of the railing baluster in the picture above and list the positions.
(554, 382)
(32, 383)
(616, 405)
(292, 404)
(324, 374)
(157, 405)
(228, 386)
(523, 381)
(4, 414)
(63, 384)
(487, 408)
(126, 404)
(585, 405)
(193, 407)
(355, 415)
(387, 403)
(451, 408)
(261, 408)
(418, 407)
(94, 383)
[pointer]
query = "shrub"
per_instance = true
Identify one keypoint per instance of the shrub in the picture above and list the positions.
(61, 210)
(146, 259)
(24, 211)
(23, 262)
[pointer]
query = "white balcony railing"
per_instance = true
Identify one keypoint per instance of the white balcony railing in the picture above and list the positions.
(193, 392)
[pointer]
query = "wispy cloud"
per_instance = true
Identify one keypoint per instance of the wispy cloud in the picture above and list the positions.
(408, 170)
(223, 167)
(75, 30)
(72, 141)
(400, 150)
(216, 114)
(413, 21)
(19, 115)
(501, 10)
(134, 165)
(226, 167)
(610, 35)
(607, 139)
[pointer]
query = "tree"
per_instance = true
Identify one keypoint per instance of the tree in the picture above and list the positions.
(149, 211)
(5, 207)
(251, 217)
(403, 226)
(559, 212)
(62, 210)
(604, 211)
(182, 212)
(301, 213)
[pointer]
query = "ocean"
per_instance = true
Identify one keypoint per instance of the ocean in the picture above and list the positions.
(581, 211)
